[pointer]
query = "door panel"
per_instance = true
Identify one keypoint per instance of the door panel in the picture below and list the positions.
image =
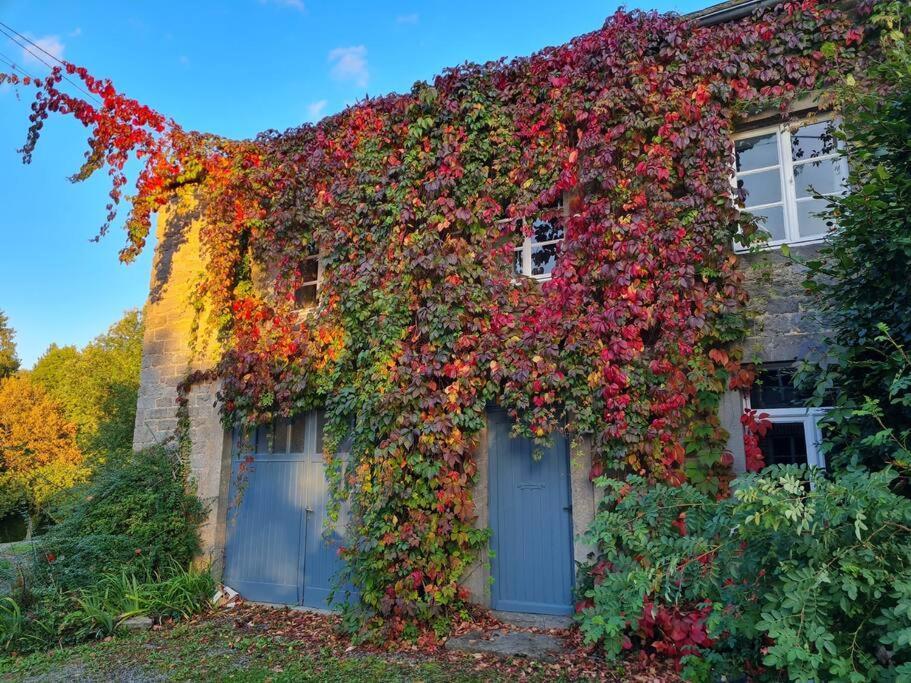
(264, 531)
(276, 547)
(321, 562)
(531, 522)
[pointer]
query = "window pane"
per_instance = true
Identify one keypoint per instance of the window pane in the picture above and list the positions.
(544, 231)
(299, 434)
(809, 225)
(771, 219)
(280, 444)
(823, 176)
(813, 140)
(543, 259)
(757, 152)
(517, 262)
(774, 388)
(760, 188)
(309, 269)
(263, 439)
(784, 444)
(305, 296)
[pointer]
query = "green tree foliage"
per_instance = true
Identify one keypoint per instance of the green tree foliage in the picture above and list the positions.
(136, 515)
(97, 386)
(39, 457)
(796, 572)
(861, 277)
(9, 361)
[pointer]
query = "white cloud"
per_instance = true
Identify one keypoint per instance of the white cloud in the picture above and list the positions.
(350, 64)
(50, 44)
(292, 4)
(315, 110)
(76, 32)
(407, 18)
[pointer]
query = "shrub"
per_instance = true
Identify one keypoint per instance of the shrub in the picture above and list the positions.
(860, 278)
(136, 515)
(796, 572)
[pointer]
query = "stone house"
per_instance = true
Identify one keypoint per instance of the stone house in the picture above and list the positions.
(267, 547)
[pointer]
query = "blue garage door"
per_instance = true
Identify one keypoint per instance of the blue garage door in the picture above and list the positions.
(277, 549)
(531, 523)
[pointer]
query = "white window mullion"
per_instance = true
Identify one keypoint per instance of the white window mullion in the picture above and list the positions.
(789, 189)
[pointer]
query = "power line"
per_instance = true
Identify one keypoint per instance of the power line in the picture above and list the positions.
(30, 41)
(7, 30)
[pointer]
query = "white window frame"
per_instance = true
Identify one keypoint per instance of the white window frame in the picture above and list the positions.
(809, 417)
(785, 167)
(528, 243)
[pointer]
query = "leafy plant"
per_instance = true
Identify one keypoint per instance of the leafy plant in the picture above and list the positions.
(136, 515)
(795, 572)
(860, 278)
(97, 611)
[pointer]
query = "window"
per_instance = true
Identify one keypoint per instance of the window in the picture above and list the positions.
(303, 434)
(311, 274)
(537, 256)
(794, 436)
(777, 170)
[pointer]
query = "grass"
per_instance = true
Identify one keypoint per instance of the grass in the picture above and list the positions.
(213, 651)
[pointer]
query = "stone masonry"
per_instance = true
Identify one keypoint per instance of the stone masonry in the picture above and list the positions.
(168, 356)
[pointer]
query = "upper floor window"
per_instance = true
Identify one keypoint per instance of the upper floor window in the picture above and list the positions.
(538, 253)
(778, 168)
(311, 274)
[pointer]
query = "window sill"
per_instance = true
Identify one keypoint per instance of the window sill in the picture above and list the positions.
(769, 246)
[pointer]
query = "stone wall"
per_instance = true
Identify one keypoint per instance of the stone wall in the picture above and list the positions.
(169, 354)
(785, 325)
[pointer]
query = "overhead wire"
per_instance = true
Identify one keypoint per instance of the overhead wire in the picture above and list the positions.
(11, 33)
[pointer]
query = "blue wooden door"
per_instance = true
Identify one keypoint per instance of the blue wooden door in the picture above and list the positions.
(531, 523)
(277, 549)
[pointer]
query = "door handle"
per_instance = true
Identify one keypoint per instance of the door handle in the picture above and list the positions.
(568, 508)
(308, 510)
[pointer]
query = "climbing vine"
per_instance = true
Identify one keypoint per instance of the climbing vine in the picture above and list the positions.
(415, 204)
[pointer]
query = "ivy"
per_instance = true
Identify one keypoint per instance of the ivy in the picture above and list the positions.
(420, 322)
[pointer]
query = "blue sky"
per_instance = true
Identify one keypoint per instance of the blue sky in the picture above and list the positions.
(235, 68)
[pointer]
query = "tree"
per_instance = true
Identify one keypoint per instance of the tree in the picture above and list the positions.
(9, 361)
(39, 456)
(97, 386)
(861, 278)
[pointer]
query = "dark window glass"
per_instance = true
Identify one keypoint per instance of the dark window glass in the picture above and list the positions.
(813, 140)
(543, 259)
(757, 152)
(263, 439)
(309, 269)
(305, 296)
(784, 444)
(517, 262)
(299, 434)
(544, 231)
(280, 443)
(774, 388)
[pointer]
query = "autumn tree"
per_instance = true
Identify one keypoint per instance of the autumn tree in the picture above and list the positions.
(97, 386)
(9, 361)
(39, 456)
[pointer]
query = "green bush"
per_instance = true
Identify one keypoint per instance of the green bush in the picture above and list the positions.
(860, 278)
(796, 572)
(136, 515)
